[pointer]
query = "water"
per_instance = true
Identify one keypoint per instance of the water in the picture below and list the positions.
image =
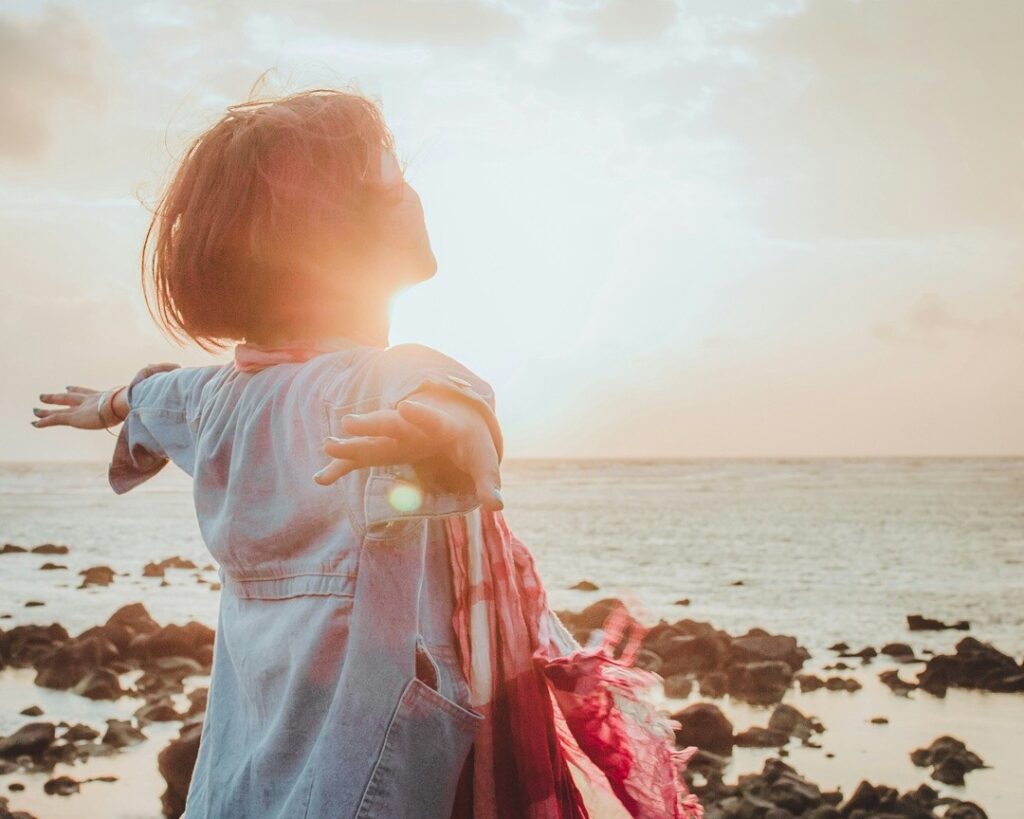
(826, 550)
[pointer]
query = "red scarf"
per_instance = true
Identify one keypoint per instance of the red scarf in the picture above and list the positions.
(553, 709)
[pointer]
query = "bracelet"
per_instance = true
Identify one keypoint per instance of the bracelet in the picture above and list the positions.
(113, 395)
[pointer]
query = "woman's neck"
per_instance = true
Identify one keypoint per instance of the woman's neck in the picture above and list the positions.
(367, 324)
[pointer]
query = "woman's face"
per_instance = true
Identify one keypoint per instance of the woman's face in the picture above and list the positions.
(408, 254)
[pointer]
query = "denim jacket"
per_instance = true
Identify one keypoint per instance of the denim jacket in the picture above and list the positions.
(336, 688)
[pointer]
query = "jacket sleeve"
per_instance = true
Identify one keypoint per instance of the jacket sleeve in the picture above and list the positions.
(160, 426)
(431, 488)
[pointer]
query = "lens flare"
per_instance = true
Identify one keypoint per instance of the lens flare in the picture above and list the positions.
(405, 497)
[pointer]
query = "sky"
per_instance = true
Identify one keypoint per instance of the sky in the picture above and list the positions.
(663, 229)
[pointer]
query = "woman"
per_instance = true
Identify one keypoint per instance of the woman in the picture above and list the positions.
(368, 617)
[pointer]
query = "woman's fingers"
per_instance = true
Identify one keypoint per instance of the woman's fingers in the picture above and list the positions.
(68, 399)
(434, 423)
(50, 418)
(380, 423)
(368, 451)
(334, 470)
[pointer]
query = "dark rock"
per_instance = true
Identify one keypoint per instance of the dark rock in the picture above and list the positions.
(950, 760)
(80, 732)
(48, 566)
(915, 622)
(160, 711)
(757, 645)
(31, 711)
(23, 645)
(760, 683)
(792, 722)
(50, 549)
(678, 686)
(10, 548)
(99, 684)
(866, 653)
(121, 732)
(879, 720)
(839, 647)
(690, 654)
(975, 665)
(703, 724)
(193, 640)
(842, 684)
(176, 762)
(152, 570)
(96, 576)
(61, 786)
(809, 682)
(714, 685)
(197, 699)
(964, 810)
(31, 603)
(7, 813)
(31, 739)
(897, 650)
(649, 660)
(892, 679)
(586, 585)
(73, 660)
(756, 737)
(683, 601)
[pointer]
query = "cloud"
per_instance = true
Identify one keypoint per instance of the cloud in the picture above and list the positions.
(874, 118)
(932, 321)
(629, 20)
(41, 61)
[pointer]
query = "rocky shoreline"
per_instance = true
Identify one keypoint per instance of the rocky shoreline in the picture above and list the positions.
(758, 668)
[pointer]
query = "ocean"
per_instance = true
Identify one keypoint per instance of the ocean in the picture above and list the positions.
(825, 550)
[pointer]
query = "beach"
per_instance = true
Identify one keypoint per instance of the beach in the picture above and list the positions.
(821, 552)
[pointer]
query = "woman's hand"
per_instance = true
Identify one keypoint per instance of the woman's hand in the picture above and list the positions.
(82, 409)
(431, 424)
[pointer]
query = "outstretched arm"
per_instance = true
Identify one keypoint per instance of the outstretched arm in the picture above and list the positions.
(434, 428)
(87, 408)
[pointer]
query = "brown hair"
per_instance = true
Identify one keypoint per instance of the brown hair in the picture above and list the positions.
(262, 202)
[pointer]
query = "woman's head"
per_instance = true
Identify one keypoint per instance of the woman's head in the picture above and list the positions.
(286, 213)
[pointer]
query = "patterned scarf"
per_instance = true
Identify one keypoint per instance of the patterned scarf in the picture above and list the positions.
(553, 709)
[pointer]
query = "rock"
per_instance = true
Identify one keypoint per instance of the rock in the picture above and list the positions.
(737, 583)
(215, 587)
(649, 660)
(964, 810)
(792, 722)
(97, 576)
(193, 640)
(48, 566)
(197, 699)
(683, 601)
(99, 684)
(80, 732)
(152, 570)
(703, 724)
(10, 548)
(121, 732)
(897, 650)
(176, 762)
(689, 654)
(678, 686)
(842, 684)
(160, 711)
(31, 740)
(892, 679)
(879, 720)
(867, 653)
(24, 645)
(915, 622)
(586, 585)
(50, 549)
(757, 645)
(809, 682)
(61, 785)
(31, 711)
(756, 737)
(30, 603)
(839, 647)
(950, 760)
(760, 683)
(975, 665)
(73, 661)
(7, 813)
(714, 685)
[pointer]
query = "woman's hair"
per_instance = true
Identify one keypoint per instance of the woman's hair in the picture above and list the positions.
(276, 193)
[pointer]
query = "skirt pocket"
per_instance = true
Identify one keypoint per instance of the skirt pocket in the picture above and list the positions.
(425, 747)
